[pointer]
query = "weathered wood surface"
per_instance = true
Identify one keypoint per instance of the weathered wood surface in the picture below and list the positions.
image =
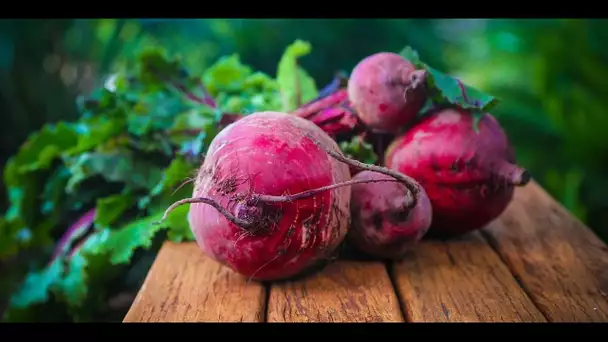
(559, 262)
(185, 286)
(347, 291)
(536, 263)
(462, 280)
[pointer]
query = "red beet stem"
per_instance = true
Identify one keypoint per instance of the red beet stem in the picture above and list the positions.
(308, 193)
(237, 221)
(410, 184)
(256, 198)
(311, 108)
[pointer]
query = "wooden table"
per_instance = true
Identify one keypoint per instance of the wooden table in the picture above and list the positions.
(536, 263)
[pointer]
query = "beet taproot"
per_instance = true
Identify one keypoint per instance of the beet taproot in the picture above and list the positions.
(468, 175)
(387, 91)
(383, 225)
(272, 197)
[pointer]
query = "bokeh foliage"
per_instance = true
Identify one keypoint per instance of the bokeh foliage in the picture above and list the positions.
(548, 74)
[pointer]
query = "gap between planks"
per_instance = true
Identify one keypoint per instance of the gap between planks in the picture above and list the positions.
(561, 263)
(184, 285)
(344, 291)
(460, 280)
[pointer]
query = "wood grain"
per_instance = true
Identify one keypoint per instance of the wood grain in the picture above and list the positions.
(560, 263)
(184, 285)
(461, 280)
(345, 291)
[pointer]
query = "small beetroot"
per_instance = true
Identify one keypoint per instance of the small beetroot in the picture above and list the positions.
(382, 224)
(469, 176)
(387, 91)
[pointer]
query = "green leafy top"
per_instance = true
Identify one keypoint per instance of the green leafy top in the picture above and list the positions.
(358, 148)
(297, 87)
(447, 90)
(132, 153)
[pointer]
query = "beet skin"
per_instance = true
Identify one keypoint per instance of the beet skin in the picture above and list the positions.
(382, 224)
(269, 153)
(387, 91)
(469, 176)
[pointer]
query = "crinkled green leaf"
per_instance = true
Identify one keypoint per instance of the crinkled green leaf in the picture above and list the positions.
(153, 113)
(360, 150)
(73, 285)
(293, 80)
(451, 91)
(86, 268)
(447, 90)
(67, 278)
(178, 227)
(178, 172)
(24, 184)
(195, 118)
(44, 146)
(122, 243)
(109, 209)
(54, 190)
(21, 220)
(96, 131)
(411, 55)
(37, 286)
(228, 74)
(259, 82)
(22, 191)
(193, 126)
(156, 69)
(116, 166)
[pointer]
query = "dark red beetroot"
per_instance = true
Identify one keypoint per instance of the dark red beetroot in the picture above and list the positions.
(469, 176)
(387, 91)
(383, 225)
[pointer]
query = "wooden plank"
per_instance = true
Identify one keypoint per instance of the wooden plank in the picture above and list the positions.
(460, 280)
(184, 285)
(561, 263)
(345, 291)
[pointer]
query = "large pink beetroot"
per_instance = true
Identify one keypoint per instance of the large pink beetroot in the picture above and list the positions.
(268, 153)
(272, 196)
(469, 176)
(387, 91)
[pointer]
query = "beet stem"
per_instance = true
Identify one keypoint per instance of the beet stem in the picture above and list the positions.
(237, 221)
(267, 199)
(409, 183)
(309, 193)
(311, 108)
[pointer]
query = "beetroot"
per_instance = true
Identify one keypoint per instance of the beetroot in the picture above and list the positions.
(469, 176)
(268, 153)
(261, 202)
(382, 224)
(387, 91)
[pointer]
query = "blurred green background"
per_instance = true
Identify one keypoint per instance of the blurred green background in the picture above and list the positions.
(551, 76)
